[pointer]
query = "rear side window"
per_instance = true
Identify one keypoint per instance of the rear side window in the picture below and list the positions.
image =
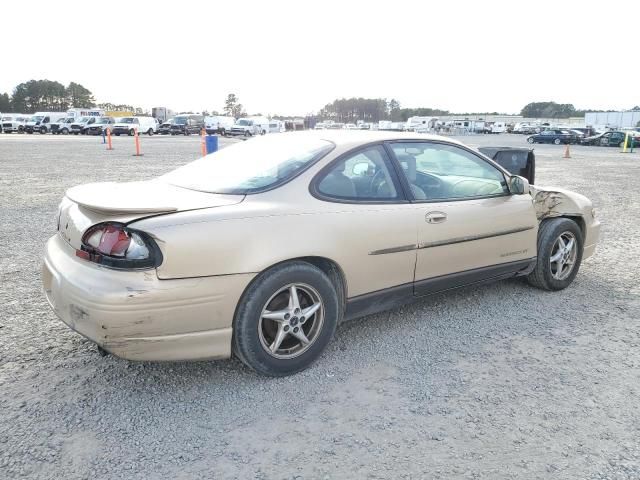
(363, 176)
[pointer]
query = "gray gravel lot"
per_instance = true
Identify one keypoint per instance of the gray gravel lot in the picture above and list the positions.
(496, 382)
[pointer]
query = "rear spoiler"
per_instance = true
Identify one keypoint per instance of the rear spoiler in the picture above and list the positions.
(517, 161)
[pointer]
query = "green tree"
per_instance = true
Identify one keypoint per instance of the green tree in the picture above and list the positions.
(233, 107)
(34, 95)
(78, 96)
(394, 110)
(548, 110)
(5, 103)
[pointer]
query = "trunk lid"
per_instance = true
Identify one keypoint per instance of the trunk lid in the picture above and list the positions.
(86, 205)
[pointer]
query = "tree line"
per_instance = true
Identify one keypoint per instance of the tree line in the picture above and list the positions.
(556, 110)
(351, 110)
(46, 95)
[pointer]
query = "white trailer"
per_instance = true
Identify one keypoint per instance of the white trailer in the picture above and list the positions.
(421, 124)
(85, 112)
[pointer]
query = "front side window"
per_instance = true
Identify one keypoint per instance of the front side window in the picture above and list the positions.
(363, 176)
(441, 172)
(251, 166)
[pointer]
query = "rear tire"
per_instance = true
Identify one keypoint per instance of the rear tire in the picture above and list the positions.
(255, 338)
(150, 132)
(557, 141)
(547, 274)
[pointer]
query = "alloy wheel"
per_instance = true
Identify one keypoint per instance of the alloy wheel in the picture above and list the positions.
(291, 321)
(563, 255)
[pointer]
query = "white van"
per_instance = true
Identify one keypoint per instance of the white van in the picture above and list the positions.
(41, 121)
(127, 125)
(63, 126)
(218, 124)
(498, 127)
(250, 126)
(14, 122)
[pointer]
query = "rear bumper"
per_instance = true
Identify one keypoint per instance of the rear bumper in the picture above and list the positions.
(137, 316)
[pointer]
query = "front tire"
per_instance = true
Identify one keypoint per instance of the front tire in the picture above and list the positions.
(557, 141)
(560, 248)
(530, 140)
(271, 333)
(150, 132)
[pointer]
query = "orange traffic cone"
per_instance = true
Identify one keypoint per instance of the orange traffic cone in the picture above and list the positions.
(567, 153)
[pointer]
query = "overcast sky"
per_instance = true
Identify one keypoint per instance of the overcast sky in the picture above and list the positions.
(293, 57)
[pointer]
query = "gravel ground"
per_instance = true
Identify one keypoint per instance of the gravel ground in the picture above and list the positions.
(496, 382)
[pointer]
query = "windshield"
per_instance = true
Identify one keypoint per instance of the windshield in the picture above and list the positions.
(180, 121)
(36, 118)
(84, 120)
(246, 123)
(103, 120)
(128, 120)
(7, 118)
(250, 166)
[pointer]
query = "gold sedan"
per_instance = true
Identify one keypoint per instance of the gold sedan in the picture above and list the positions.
(263, 248)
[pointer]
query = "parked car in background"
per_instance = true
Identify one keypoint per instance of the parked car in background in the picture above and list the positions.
(556, 137)
(350, 126)
(41, 122)
(218, 124)
(129, 125)
(497, 127)
(613, 138)
(56, 126)
(14, 122)
(63, 127)
(99, 126)
(77, 127)
(387, 218)
(250, 126)
(165, 128)
(186, 124)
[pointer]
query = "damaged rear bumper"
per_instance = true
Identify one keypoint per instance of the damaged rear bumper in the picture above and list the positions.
(137, 316)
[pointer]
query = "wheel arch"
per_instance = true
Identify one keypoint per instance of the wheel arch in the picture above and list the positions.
(328, 266)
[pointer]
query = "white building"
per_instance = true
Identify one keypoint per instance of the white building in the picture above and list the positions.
(602, 120)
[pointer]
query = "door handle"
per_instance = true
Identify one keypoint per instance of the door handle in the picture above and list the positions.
(435, 217)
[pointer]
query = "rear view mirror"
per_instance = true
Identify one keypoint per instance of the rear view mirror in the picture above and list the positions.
(516, 161)
(518, 185)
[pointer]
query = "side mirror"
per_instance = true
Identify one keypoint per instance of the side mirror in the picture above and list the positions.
(518, 185)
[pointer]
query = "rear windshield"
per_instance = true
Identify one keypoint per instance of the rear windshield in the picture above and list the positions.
(251, 166)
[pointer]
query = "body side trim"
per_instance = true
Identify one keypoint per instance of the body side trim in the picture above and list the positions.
(450, 241)
(381, 300)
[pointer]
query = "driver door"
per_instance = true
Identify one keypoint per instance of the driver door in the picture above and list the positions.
(470, 227)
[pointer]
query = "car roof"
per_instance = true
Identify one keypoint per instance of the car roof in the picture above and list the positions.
(359, 137)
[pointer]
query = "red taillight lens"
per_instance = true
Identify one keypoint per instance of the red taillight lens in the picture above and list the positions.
(115, 245)
(114, 241)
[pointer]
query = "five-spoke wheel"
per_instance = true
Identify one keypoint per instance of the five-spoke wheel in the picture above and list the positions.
(560, 245)
(286, 318)
(291, 321)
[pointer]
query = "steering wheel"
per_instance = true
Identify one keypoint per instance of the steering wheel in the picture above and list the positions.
(376, 182)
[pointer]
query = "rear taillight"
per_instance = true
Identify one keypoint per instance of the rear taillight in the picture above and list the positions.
(116, 246)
